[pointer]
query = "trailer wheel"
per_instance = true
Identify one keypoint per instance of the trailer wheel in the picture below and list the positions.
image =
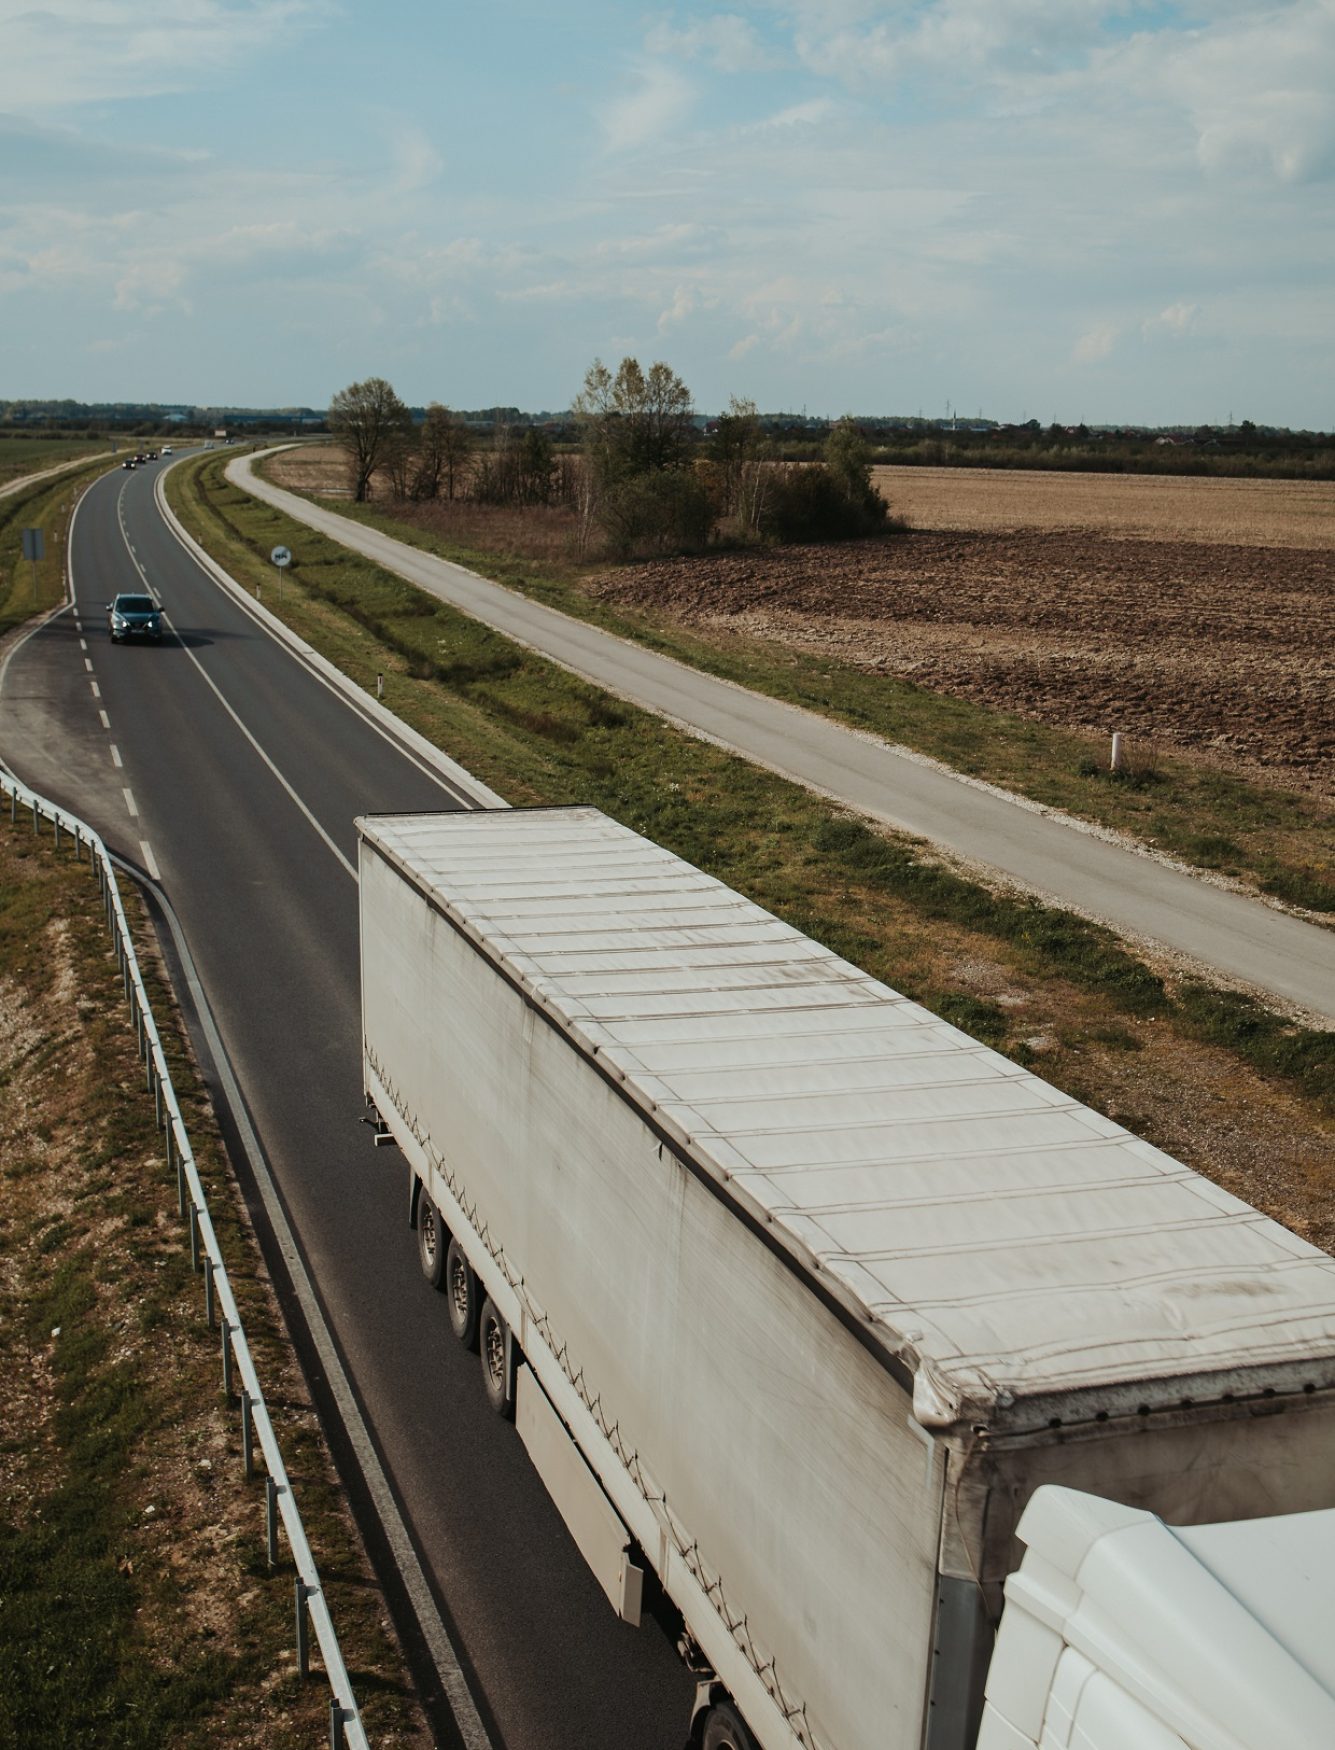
(432, 1239)
(494, 1345)
(725, 1731)
(461, 1295)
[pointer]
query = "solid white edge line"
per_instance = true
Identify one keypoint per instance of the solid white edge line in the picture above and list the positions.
(320, 832)
(443, 1654)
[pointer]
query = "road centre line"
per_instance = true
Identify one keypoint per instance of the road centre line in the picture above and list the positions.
(342, 861)
(97, 693)
(83, 643)
(150, 861)
(131, 804)
(116, 759)
(87, 663)
(106, 721)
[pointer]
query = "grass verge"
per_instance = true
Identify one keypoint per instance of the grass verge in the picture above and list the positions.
(136, 1608)
(538, 735)
(29, 455)
(48, 505)
(1276, 840)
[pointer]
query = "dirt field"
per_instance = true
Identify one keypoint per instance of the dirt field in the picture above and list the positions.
(1225, 652)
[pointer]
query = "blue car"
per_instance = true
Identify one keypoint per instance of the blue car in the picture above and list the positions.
(134, 616)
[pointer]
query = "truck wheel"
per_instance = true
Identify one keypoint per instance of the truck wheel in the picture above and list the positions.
(725, 1731)
(493, 1343)
(461, 1295)
(431, 1241)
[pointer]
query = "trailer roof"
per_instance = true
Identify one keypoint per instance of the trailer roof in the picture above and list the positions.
(1008, 1241)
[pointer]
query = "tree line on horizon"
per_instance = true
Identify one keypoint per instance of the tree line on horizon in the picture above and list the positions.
(643, 480)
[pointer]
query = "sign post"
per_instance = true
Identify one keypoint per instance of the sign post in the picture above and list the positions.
(282, 558)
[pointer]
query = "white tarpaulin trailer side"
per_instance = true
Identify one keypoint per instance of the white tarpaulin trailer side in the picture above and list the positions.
(837, 1284)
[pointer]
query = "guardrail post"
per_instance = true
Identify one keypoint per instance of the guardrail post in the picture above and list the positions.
(34, 817)
(210, 1312)
(336, 1739)
(303, 1636)
(157, 1101)
(56, 822)
(194, 1239)
(182, 1197)
(271, 1521)
(247, 1437)
(226, 1357)
(13, 807)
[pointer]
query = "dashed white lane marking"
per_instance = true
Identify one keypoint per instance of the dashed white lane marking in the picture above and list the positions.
(106, 721)
(88, 664)
(116, 759)
(97, 691)
(150, 861)
(83, 644)
(131, 804)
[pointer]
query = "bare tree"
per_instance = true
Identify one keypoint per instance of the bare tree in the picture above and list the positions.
(635, 422)
(740, 453)
(368, 417)
(432, 447)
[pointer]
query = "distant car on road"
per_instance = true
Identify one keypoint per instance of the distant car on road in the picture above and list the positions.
(134, 616)
(128, 462)
(166, 449)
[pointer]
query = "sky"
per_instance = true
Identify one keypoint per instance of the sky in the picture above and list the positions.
(1071, 210)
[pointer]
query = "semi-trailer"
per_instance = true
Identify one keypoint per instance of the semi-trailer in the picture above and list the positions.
(819, 1311)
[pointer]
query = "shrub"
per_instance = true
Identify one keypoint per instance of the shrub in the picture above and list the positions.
(668, 511)
(811, 504)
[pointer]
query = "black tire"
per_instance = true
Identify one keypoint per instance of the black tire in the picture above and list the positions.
(432, 1240)
(494, 1349)
(724, 1730)
(461, 1295)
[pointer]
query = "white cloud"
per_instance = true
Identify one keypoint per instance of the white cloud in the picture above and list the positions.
(77, 51)
(1175, 320)
(725, 40)
(661, 99)
(1095, 344)
(798, 115)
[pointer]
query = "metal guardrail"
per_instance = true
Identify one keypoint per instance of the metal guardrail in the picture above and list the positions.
(311, 1607)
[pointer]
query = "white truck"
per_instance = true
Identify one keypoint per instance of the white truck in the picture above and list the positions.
(800, 1298)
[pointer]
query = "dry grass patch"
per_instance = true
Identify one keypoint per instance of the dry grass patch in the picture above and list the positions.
(135, 1602)
(1245, 513)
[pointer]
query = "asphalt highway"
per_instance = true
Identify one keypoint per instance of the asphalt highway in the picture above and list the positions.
(1241, 939)
(221, 765)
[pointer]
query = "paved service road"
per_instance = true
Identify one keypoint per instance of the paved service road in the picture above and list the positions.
(1241, 939)
(223, 762)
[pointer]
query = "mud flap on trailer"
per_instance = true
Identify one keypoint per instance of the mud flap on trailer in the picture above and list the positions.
(590, 1517)
(961, 1652)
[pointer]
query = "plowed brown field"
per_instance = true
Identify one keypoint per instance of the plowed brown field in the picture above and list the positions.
(1219, 649)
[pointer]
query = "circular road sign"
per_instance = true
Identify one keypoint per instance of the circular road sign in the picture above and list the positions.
(281, 556)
